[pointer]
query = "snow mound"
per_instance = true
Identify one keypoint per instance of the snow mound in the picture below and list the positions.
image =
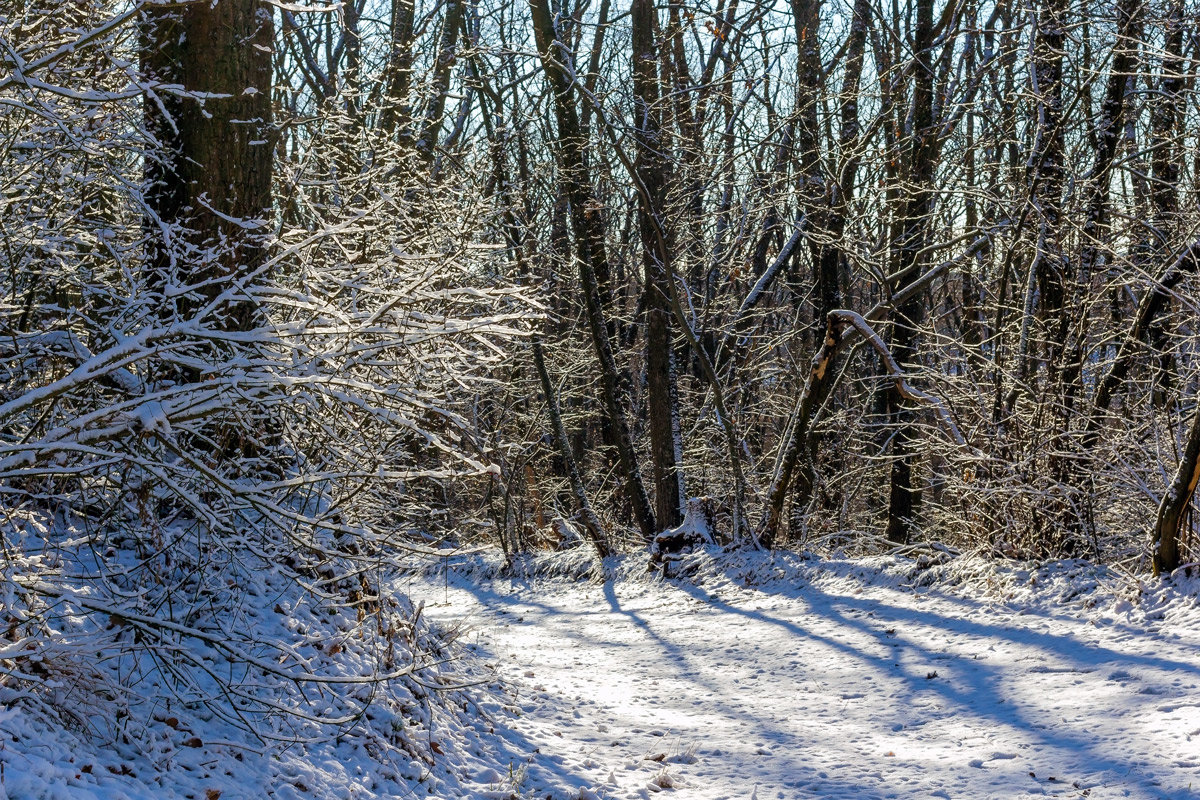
(210, 670)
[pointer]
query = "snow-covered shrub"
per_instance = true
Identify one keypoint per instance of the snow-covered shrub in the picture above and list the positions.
(197, 519)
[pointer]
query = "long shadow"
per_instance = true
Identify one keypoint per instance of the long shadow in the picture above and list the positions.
(672, 650)
(799, 773)
(847, 571)
(503, 602)
(981, 697)
(1023, 635)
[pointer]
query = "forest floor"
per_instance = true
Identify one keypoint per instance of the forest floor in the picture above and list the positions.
(750, 676)
(764, 677)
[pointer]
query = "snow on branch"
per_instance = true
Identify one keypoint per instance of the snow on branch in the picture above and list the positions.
(906, 390)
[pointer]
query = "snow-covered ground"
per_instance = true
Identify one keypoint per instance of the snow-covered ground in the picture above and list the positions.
(752, 677)
(767, 677)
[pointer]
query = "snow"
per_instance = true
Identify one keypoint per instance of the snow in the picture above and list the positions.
(845, 679)
(750, 675)
(225, 677)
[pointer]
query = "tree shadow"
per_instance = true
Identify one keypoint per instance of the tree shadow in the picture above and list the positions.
(978, 690)
(889, 642)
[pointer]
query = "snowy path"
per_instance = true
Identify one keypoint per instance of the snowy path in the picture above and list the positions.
(836, 688)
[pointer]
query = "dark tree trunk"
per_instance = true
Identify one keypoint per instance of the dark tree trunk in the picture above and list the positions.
(165, 190)
(903, 495)
(212, 174)
(397, 78)
(1172, 511)
(352, 37)
(1166, 119)
(435, 109)
(812, 189)
(1047, 171)
(796, 461)
(1047, 323)
(653, 174)
(1108, 134)
(822, 376)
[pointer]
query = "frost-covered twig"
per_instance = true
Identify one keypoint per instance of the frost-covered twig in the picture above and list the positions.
(906, 390)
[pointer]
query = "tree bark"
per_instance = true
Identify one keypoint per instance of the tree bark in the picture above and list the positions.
(1166, 119)
(1108, 134)
(1172, 511)
(397, 77)
(1045, 177)
(1109, 128)
(903, 496)
(653, 170)
(435, 109)
(164, 189)
(211, 176)
(812, 189)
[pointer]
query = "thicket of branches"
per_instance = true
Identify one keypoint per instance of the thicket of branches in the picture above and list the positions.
(204, 411)
(926, 270)
(354, 278)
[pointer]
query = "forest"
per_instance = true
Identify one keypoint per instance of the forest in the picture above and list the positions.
(336, 337)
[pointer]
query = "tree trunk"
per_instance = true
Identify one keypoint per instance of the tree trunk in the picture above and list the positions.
(1047, 169)
(829, 253)
(164, 189)
(1108, 134)
(821, 380)
(1046, 310)
(1172, 511)
(397, 77)
(435, 109)
(1166, 118)
(903, 496)
(352, 40)
(812, 188)
(211, 176)
(653, 174)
